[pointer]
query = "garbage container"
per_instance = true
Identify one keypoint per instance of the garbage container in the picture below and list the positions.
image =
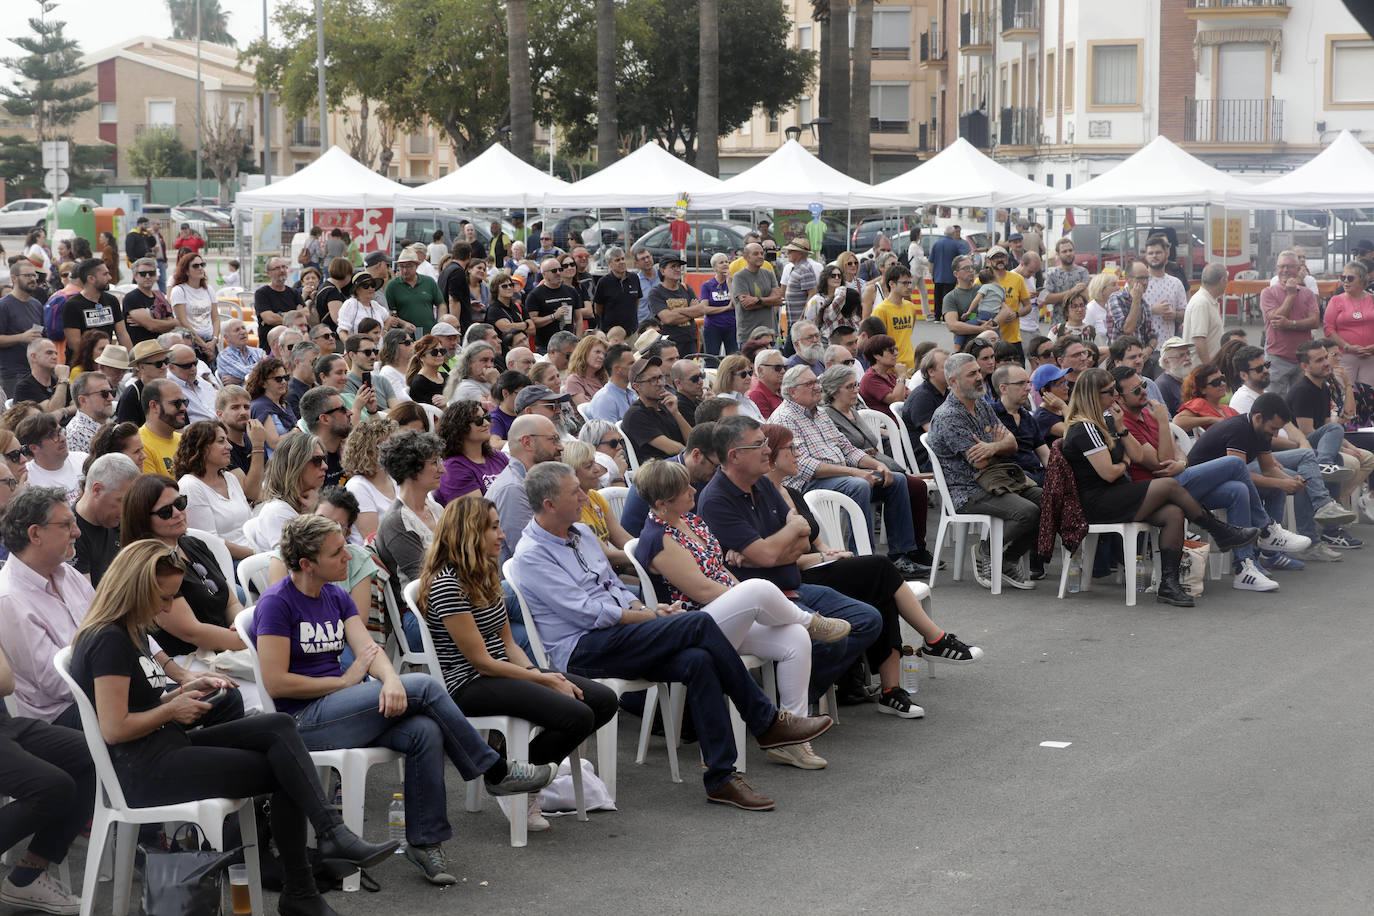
(75, 215)
(111, 220)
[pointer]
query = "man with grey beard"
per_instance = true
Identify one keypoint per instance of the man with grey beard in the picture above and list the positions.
(806, 337)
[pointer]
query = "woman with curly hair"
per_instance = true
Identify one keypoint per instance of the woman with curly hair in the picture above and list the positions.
(215, 498)
(470, 462)
(290, 487)
(115, 437)
(92, 344)
(425, 376)
(415, 462)
(1203, 389)
(17, 413)
(370, 485)
(267, 384)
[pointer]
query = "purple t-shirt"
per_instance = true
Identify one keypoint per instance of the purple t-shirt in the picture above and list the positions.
(500, 423)
(462, 475)
(718, 294)
(315, 627)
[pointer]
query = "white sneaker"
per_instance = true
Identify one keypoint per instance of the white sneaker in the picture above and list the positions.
(43, 894)
(1322, 554)
(1250, 579)
(534, 815)
(800, 756)
(1333, 513)
(1275, 537)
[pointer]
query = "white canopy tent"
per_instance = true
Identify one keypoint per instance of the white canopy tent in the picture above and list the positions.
(1339, 177)
(1158, 175)
(959, 176)
(496, 178)
(790, 178)
(649, 177)
(335, 179)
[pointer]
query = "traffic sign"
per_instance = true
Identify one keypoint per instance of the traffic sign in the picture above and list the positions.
(55, 181)
(56, 154)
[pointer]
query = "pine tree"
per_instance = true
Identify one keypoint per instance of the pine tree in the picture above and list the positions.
(47, 90)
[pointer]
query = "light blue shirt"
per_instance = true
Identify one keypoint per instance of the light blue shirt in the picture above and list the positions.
(610, 403)
(1153, 390)
(507, 491)
(567, 596)
(234, 363)
(646, 282)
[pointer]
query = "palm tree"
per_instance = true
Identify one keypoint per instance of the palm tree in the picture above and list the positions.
(214, 21)
(861, 80)
(607, 117)
(708, 89)
(518, 66)
(837, 28)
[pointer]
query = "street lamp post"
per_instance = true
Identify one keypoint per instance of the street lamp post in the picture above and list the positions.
(200, 113)
(319, 70)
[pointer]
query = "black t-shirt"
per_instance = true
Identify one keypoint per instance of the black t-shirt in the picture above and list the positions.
(326, 294)
(15, 318)
(30, 389)
(543, 300)
(95, 549)
(619, 301)
(280, 301)
(1232, 433)
(1309, 400)
(423, 390)
(642, 424)
(662, 299)
(241, 455)
(84, 315)
(130, 406)
(453, 283)
(498, 312)
(111, 652)
(205, 591)
(333, 468)
(137, 299)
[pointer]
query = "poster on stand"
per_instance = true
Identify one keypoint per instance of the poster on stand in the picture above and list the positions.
(370, 228)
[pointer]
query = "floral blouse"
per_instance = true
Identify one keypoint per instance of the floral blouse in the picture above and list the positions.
(705, 550)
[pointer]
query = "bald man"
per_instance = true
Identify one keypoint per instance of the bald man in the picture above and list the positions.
(237, 359)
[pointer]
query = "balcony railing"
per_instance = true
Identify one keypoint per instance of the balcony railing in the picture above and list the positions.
(1233, 120)
(973, 127)
(141, 129)
(1018, 127)
(305, 135)
(880, 126)
(975, 31)
(1233, 4)
(931, 48)
(1020, 15)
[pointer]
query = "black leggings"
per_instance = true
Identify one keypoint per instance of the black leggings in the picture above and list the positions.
(259, 755)
(565, 722)
(872, 580)
(1166, 505)
(48, 771)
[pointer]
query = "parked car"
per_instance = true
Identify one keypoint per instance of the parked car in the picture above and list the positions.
(870, 226)
(200, 202)
(567, 230)
(200, 218)
(419, 226)
(19, 216)
(1122, 246)
(609, 232)
(703, 241)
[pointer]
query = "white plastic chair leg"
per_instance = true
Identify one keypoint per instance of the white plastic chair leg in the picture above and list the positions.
(960, 547)
(100, 843)
(126, 838)
(995, 552)
(606, 738)
(575, 765)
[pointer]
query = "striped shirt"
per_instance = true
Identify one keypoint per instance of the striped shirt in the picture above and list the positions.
(446, 597)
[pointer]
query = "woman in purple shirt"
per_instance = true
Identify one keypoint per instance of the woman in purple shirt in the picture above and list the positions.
(470, 463)
(719, 329)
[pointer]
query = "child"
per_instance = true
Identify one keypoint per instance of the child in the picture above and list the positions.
(990, 305)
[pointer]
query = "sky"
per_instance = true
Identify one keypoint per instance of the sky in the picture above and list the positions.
(99, 23)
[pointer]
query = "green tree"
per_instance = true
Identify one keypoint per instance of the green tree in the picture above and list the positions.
(158, 153)
(47, 91)
(214, 21)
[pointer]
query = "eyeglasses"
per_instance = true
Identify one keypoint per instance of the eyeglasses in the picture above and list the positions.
(204, 575)
(1217, 382)
(505, 284)
(1261, 367)
(172, 508)
(141, 273)
(743, 448)
(10, 481)
(319, 461)
(1138, 389)
(15, 456)
(775, 366)
(656, 380)
(102, 393)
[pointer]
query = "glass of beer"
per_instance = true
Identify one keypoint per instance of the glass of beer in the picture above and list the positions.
(239, 899)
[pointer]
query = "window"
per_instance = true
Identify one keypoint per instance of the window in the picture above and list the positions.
(1115, 75)
(772, 125)
(804, 38)
(162, 114)
(1069, 80)
(236, 112)
(889, 107)
(892, 33)
(804, 110)
(1050, 76)
(1347, 76)
(746, 128)
(107, 113)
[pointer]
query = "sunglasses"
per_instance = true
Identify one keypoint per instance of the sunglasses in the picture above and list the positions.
(504, 285)
(1345, 278)
(278, 378)
(200, 264)
(340, 409)
(142, 273)
(745, 373)
(184, 365)
(438, 351)
(1260, 368)
(173, 507)
(1217, 382)
(1138, 389)
(204, 576)
(15, 456)
(319, 461)
(177, 403)
(611, 443)
(1107, 392)
(695, 378)
(482, 420)
(569, 266)
(156, 363)
(324, 335)
(368, 352)
(102, 393)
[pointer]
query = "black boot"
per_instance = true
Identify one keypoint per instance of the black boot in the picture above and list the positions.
(299, 895)
(338, 842)
(1171, 591)
(1227, 537)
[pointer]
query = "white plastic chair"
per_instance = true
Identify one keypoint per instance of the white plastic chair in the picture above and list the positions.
(253, 575)
(583, 408)
(960, 521)
(1182, 441)
(517, 731)
(352, 763)
(218, 548)
(615, 497)
(434, 414)
(630, 458)
(888, 432)
(111, 809)
(607, 735)
(1130, 533)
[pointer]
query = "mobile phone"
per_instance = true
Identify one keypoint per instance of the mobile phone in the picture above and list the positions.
(367, 379)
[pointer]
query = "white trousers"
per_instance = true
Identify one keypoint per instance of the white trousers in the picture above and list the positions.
(758, 619)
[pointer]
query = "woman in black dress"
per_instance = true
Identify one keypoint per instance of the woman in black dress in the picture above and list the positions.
(1100, 449)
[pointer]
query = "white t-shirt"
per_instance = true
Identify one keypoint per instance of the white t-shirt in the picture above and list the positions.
(200, 304)
(1096, 317)
(1308, 281)
(370, 499)
(209, 511)
(68, 476)
(399, 388)
(428, 269)
(354, 311)
(263, 533)
(1243, 398)
(1030, 322)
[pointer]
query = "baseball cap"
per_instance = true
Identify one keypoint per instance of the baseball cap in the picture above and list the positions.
(1045, 376)
(672, 259)
(444, 329)
(1016, 237)
(372, 259)
(533, 394)
(994, 251)
(642, 365)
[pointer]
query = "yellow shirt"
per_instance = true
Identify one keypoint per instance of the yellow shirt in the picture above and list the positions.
(900, 319)
(595, 514)
(739, 264)
(158, 452)
(1017, 295)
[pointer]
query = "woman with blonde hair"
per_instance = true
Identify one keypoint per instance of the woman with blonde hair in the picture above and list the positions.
(290, 487)
(586, 370)
(158, 755)
(1100, 449)
(597, 514)
(370, 485)
(1100, 289)
(484, 668)
(734, 376)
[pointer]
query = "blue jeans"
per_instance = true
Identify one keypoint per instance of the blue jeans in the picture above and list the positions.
(896, 500)
(1302, 463)
(1327, 441)
(714, 339)
(1224, 483)
(409, 625)
(691, 649)
(517, 622)
(830, 660)
(430, 728)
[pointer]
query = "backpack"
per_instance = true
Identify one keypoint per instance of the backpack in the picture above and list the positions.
(53, 327)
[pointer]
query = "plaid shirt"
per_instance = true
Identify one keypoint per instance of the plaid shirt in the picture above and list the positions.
(235, 364)
(1057, 280)
(817, 440)
(1118, 307)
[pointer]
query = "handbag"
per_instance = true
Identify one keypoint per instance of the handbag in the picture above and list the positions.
(1002, 477)
(1192, 569)
(184, 883)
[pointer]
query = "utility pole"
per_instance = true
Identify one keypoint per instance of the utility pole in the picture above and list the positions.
(319, 70)
(266, 113)
(200, 114)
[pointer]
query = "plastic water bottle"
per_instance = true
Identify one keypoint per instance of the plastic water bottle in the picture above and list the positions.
(396, 821)
(1075, 574)
(910, 679)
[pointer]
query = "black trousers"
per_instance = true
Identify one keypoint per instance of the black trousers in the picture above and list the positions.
(872, 580)
(48, 771)
(260, 755)
(566, 721)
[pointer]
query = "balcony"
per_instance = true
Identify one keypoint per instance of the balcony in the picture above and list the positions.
(927, 136)
(1018, 127)
(975, 33)
(932, 49)
(1237, 9)
(1233, 120)
(973, 127)
(305, 135)
(141, 129)
(420, 145)
(880, 126)
(1020, 20)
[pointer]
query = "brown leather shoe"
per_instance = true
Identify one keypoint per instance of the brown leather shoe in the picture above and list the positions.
(788, 729)
(739, 793)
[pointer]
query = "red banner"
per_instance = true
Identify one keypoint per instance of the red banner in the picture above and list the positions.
(370, 228)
